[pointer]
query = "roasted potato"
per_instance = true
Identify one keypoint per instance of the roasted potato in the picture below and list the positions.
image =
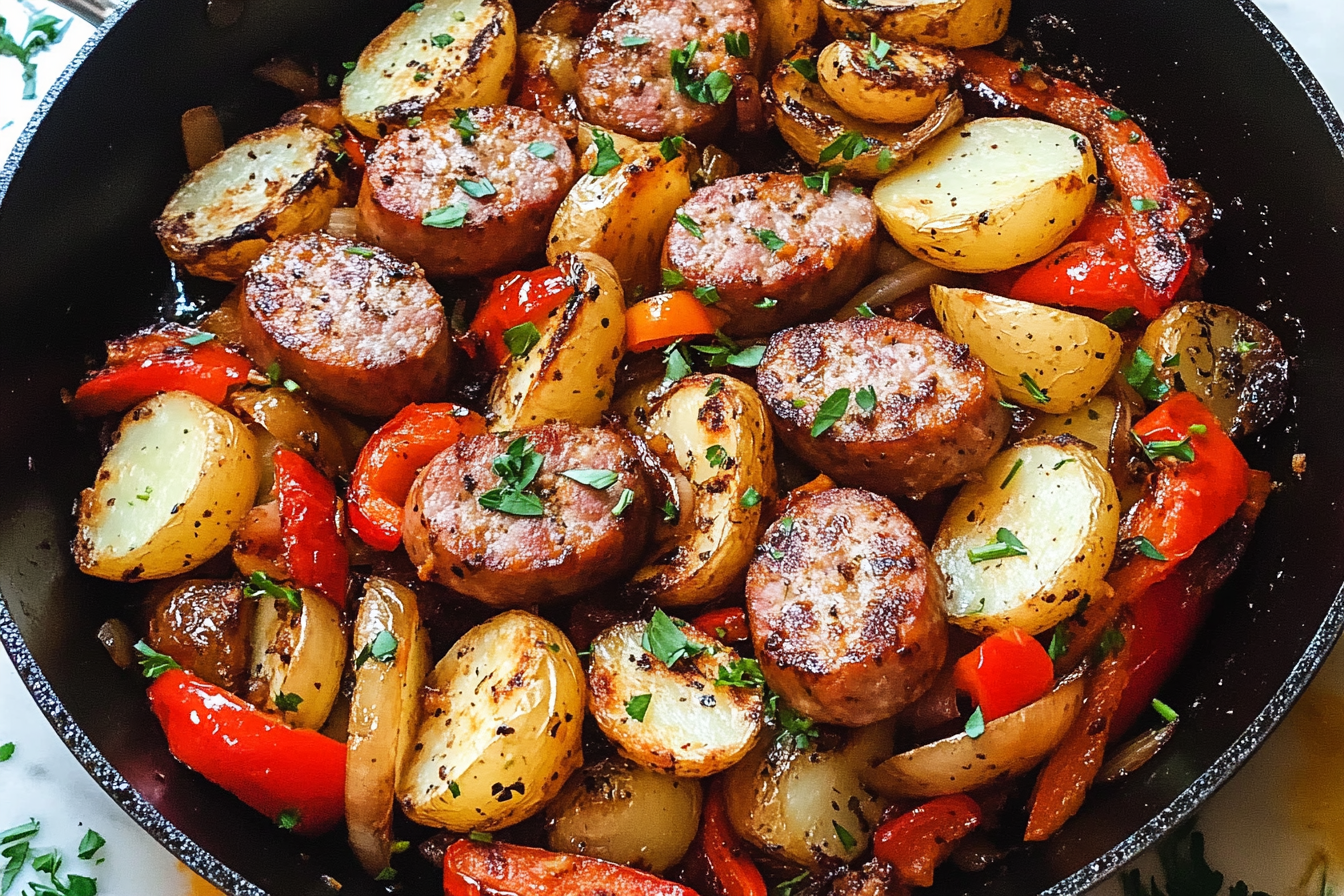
(274, 183)
(714, 428)
(205, 625)
(179, 479)
(673, 720)
(784, 25)
(811, 122)
(622, 812)
(943, 23)
(623, 215)
(990, 195)
(1030, 540)
(297, 659)
(1232, 362)
(1103, 423)
(1045, 359)
(548, 57)
(570, 374)
(410, 71)
(904, 85)
(384, 717)
(502, 727)
(794, 802)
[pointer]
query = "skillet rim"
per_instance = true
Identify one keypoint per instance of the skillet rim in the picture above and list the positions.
(1095, 872)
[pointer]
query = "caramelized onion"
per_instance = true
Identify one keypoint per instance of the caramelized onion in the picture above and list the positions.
(343, 223)
(202, 136)
(1132, 755)
(890, 287)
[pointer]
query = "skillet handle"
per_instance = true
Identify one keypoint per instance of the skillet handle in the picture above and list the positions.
(92, 11)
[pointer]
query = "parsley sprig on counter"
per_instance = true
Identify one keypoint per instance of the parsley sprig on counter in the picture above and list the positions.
(43, 31)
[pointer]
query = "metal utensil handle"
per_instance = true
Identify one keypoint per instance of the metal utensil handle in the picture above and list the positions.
(92, 11)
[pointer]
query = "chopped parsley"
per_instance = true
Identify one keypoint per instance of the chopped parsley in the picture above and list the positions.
(1166, 712)
(607, 156)
(6, 751)
(599, 479)
(885, 160)
(805, 67)
(1148, 549)
(450, 217)
(717, 455)
(638, 706)
(202, 338)
(670, 512)
(715, 387)
(863, 310)
(1180, 449)
(877, 51)
(1139, 373)
(1112, 640)
(830, 412)
(442, 40)
(1034, 390)
(1059, 641)
(1141, 204)
(738, 44)
(1120, 317)
(152, 663)
(516, 468)
(1017, 465)
(454, 789)
(821, 180)
(707, 295)
(286, 702)
(634, 40)
(849, 145)
(750, 498)
(846, 838)
(43, 31)
(478, 189)
(260, 585)
(866, 399)
(677, 366)
(360, 251)
(769, 239)
(481, 837)
(382, 648)
(1005, 544)
(975, 725)
(623, 502)
(89, 845)
(794, 727)
(785, 888)
(665, 641)
(289, 819)
(765, 303)
(541, 149)
(672, 278)
(1245, 347)
(688, 222)
(741, 673)
(1115, 114)
(670, 148)
(465, 127)
(521, 339)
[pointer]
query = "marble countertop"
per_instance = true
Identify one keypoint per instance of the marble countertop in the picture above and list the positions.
(1279, 824)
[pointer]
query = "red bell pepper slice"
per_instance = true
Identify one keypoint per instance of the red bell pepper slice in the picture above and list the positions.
(920, 840)
(494, 869)
(1006, 672)
(515, 299)
(315, 552)
(146, 364)
(733, 872)
(356, 147)
(1154, 211)
(271, 767)
(390, 461)
(728, 625)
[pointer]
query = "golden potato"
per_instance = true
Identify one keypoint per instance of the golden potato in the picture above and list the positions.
(784, 25)
(904, 84)
(943, 23)
(297, 653)
(1103, 423)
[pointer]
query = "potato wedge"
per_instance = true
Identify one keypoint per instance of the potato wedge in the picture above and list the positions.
(570, 374)
(502, 727)
(1012, 745)
(384, 717)
(904, 85)
(405, 73)
(1054, 498)
(794, 802)
(179, 479)
(943, 23)
(707, 549)
(687, 725)
(811, 122)
(1045, 359)
(991, 195)
(784, 25)
(299, 654)
(1231, 361)
(622, 812)
(270, 184)
(1103, 423)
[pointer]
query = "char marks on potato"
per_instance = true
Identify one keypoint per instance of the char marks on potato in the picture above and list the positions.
(356, 327)
(494, 176)
(771, 237)
(846, 608)
(936, 417)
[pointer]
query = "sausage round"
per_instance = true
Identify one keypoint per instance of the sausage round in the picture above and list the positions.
(626, 81)
(936, 415)
(489, 176)
(511, 561)
(846, 608)
(358, 328)
(776, 250)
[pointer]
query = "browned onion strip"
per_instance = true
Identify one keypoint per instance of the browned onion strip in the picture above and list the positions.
(292, 76)
(119, 641)
(202, 136)
(890, 287)
(1134, 754)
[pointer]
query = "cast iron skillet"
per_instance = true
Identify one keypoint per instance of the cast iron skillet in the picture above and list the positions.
(1211, 79)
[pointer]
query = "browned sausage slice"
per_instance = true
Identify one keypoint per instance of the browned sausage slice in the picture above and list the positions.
(493, 177)
(626, 78)
(355, 326)
(936, 416)
(777, 251)
(584, 536)
(846, 608)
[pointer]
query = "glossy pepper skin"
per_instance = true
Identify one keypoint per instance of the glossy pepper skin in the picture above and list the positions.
(732, 871)
(920, 840)
(494, 869)
(146, 364)
(266, 764)
(728, 625)
(1006, 672)
(315, 552)
(515, 299)
(662, 320)
(390, 461)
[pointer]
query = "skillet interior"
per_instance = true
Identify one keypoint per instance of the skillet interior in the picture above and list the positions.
(1210, 79)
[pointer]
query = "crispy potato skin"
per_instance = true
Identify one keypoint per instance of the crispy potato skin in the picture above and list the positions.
(368, 335)
(906, 86)
(510, 561)
(204, 624)
(830, 248)
(417, 170)
(847, 608)
(937, 420)
(942, 23)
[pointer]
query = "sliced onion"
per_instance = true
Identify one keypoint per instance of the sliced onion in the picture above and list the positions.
(285, 72)
(1009, 746)
(891, 257)
(119, 641)
(1134, 754)
(343, 223)
(202, 135)
(890, 287)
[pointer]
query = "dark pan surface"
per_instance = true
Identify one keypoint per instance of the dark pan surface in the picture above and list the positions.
(1211, 79)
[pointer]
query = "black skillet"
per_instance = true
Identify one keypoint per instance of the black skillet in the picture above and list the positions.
(1212, 80)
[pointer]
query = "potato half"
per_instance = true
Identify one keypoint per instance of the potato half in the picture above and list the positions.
(1054, 498)
(707, 549)
(990, 195)
(904, 85)
(410, 70)
(784, 25)
(944, 23)
(1103, 423)
(687, 725)
(570, 374)
(179, 479)
(384, 717)
(502, 727)
(274, 183)
(1045, 359)
(297, 655)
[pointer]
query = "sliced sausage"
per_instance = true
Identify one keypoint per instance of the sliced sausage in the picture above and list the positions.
(777, 251)
(491, 177)
(936, 415)
(583, 537)
(626, 78)
(846, 608)
(358, 328)
(205, 625)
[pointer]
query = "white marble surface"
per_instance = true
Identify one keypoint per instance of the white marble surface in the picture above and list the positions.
(1277, 824)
